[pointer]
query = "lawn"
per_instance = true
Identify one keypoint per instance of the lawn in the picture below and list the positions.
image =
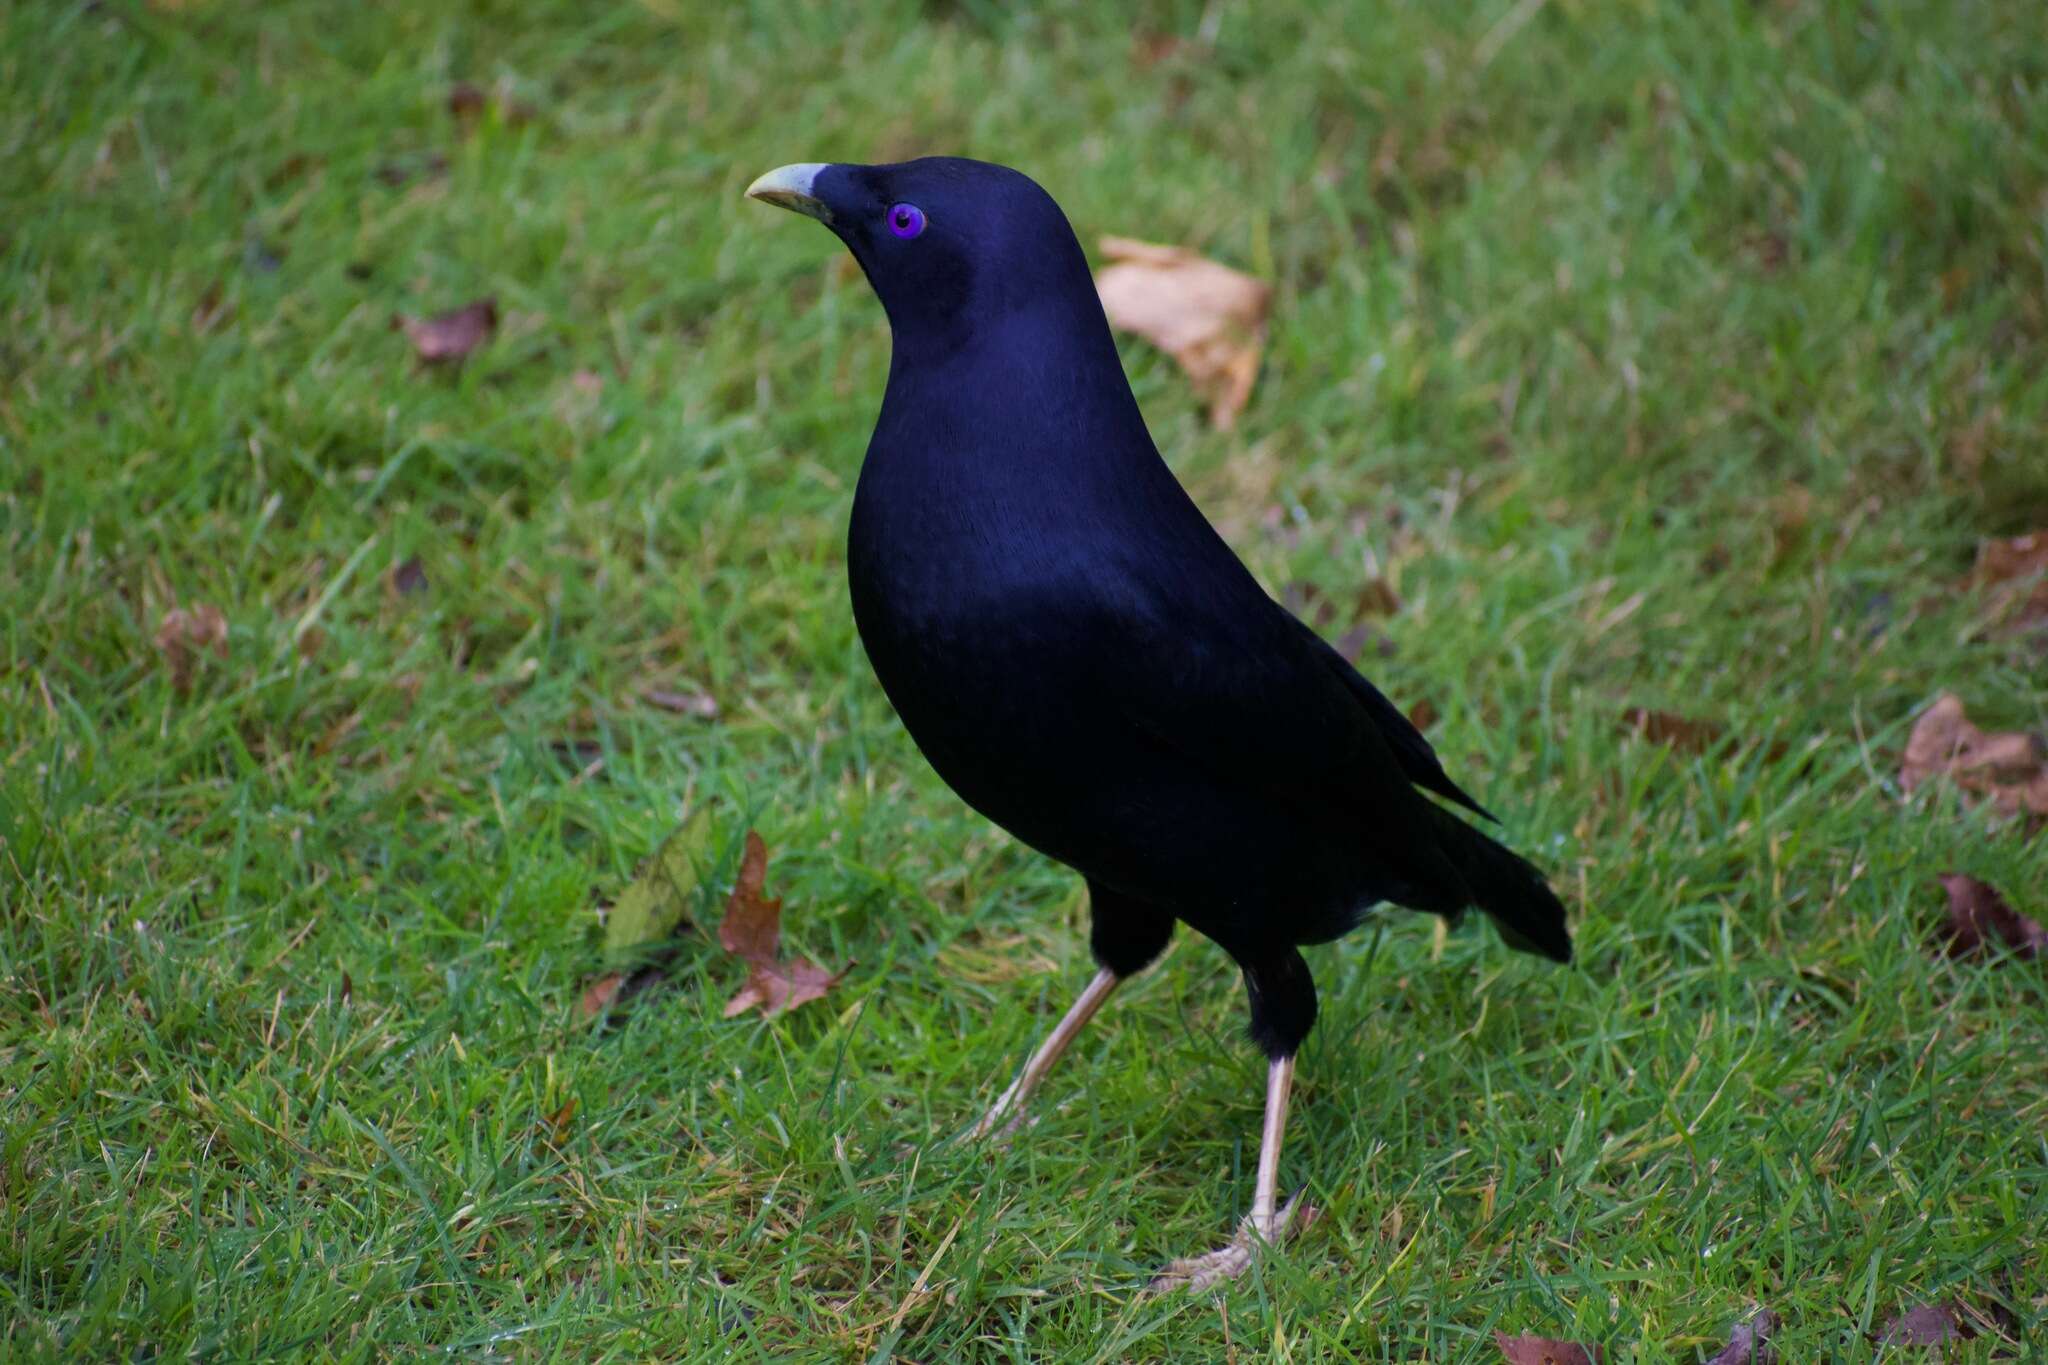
(1662, 355)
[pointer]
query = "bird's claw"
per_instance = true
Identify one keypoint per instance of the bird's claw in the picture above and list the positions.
(999, 1125)
(1196, 1273)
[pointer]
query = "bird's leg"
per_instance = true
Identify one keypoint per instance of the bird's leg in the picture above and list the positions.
(1048, 1052)
(1269, 1222)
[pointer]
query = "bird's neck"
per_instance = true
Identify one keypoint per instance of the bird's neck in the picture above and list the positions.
(1039, 384)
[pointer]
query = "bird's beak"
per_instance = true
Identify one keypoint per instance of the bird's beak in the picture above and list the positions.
(789, 187)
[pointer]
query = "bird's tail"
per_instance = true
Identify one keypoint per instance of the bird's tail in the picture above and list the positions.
(1503, 884)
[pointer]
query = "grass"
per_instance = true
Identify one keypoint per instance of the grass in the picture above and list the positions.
(1666, 355)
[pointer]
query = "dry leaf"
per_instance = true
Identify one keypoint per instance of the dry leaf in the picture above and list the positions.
(1542, 1351)
(1747, 1344)
(1677, 732)
(646, 916)
(2015, 571)
(1422, 715)
(1208, 317)
(1928, 1325)
(752, 932)
(599, 995)
(184, 635)
(698, 704)
(407, 578)
(1979, 918)
(448, 338)
(2011, 768)
(210, 309)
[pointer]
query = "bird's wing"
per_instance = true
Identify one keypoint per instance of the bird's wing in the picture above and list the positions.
(1236, 682)
(1417, 759)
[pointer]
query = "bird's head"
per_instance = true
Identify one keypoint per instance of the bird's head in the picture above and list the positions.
(949, 245)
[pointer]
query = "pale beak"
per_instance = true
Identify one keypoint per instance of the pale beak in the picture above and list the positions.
(789, 187)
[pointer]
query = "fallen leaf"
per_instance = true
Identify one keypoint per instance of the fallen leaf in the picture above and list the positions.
(2015, 573)
(558, 1122)
(1208, 317)
(599, 995)
(699, 704)
(648, 911)
(1747, 1344)
(752, 932)
(210, 309)
(1673, 731)
(1979, 919)
(1542, 1351)
(646, 915)
(448, 338)
(184, 635)
(1927, 1325)
(2011, 768)
(465, 99)
(408, 578)
(1422, 715)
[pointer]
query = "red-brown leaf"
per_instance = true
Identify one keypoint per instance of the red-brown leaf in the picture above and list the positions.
(1929, 1324)
(1979, 919)
(448, 338)
(752, 932)
(699, 704)
(1747, 1344)
(2015, 573)
(2011, 768)
(1674, 731)
(1543, 1351)
(599, 995)
(184, 635)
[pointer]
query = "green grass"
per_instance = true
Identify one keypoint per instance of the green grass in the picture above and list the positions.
(1574, 303)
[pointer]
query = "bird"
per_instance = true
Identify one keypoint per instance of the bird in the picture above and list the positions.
(1085, 661)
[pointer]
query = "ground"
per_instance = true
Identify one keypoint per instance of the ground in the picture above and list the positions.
(1674, 356)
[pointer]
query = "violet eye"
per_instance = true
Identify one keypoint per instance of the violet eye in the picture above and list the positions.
(906, 220)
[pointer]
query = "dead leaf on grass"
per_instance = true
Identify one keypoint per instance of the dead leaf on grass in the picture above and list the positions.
(448, 338)
(1747, 1344)
(1543, 1351)
(702, 705)
(1980, 919)
(1673, 731)
(406, 579)
(646, 915)
(1930, 1324)
(184, 636)
(2014, 573)
(2011, 768)
(752, 932)
(1209, 318)
(210, 309)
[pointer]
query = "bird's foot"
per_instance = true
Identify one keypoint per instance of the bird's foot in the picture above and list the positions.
(1196, 1273)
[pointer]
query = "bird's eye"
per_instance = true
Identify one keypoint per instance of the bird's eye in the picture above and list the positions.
(906, 220)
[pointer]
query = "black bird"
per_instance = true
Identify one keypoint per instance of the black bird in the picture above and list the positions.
(1085, 661)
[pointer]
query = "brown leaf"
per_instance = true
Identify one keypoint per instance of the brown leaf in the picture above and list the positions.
(1979, 919)
(1747, 1344)
(1208, 317)
(466, 99)
(2011, 768)
(752, 932)
(184, 635)
(1422, 715)
(210, 309)
(599, 995)
(408, 578)
(448, 338)
(699, 704)
(1674, 731)
(2015, 571)
(1542, 1351)
(1927, 1325)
